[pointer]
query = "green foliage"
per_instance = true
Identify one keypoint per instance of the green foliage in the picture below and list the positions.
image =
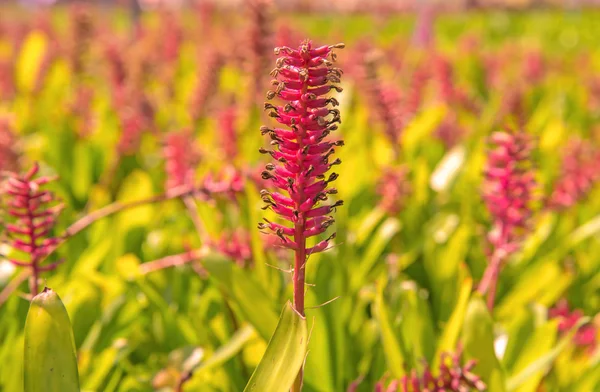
(396, 288)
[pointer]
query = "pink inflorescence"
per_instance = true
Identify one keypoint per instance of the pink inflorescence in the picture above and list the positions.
(229, 182)
(235, 245)
(181, 159)
(229, 140)
(385, 99)
(305, 75)
(586, 336)
(579, 174)
(451, 377)
(393, 188)
(35, 212)
(508, 190)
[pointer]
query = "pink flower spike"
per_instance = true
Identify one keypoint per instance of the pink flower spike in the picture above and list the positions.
(304, 75)
(35, 212)
(181, 159)
(508, 194)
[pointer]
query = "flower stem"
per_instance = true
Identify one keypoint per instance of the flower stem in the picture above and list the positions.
(489, 282)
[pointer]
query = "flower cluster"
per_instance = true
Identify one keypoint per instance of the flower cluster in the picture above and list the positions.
(579, 174)
(236, 246)
(229, 182)
(135, 118)
(259, 37)
(416, 90)
(206, 82)
(393, 188)
(229, 139)
(508, 190)
(305, 75)
(385, 100)
(586, 336)
(449, 131)
(181, 159)
(34, 212)
(81, 36)
(451, 377)
(508, 194)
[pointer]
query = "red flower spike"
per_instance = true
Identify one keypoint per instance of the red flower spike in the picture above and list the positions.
(304, 76)
(508, 193)
(34, 212)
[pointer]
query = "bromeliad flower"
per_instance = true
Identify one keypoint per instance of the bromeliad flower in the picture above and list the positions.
(586, 337)
(579, 174)
(181, 158)
(451, 376)
(508, 194)
(393, 189)
(34, 212)
(305, 76)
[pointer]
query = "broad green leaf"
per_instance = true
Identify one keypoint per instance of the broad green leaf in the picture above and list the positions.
(451, 332)
(539, 343)
(252, 300)
(544, 282)
(137, 186)
(284, 356)
(318, 370)
(478, 341)
(416, 323)
(589, 381)
(584, 232)
(420, 128)
(543, 363)
(392, 345)
(380, 240)
(227, 351)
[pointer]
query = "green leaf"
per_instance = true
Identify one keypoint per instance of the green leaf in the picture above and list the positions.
(284, 356)
(318, 371)
(416, 323)
(478, 341)
(228, 350)
(382, 237)
(240, 285)
(539, 343)
(451, 332)
(543, 363)
(393, 348)
(543, 283)
(584, 232)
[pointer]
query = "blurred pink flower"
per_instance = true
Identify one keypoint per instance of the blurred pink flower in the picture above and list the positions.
(451, 376)
(579, 173)
(181, 158)
(586, 336)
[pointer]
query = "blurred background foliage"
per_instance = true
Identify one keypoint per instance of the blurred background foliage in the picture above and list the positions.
(91, 94)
